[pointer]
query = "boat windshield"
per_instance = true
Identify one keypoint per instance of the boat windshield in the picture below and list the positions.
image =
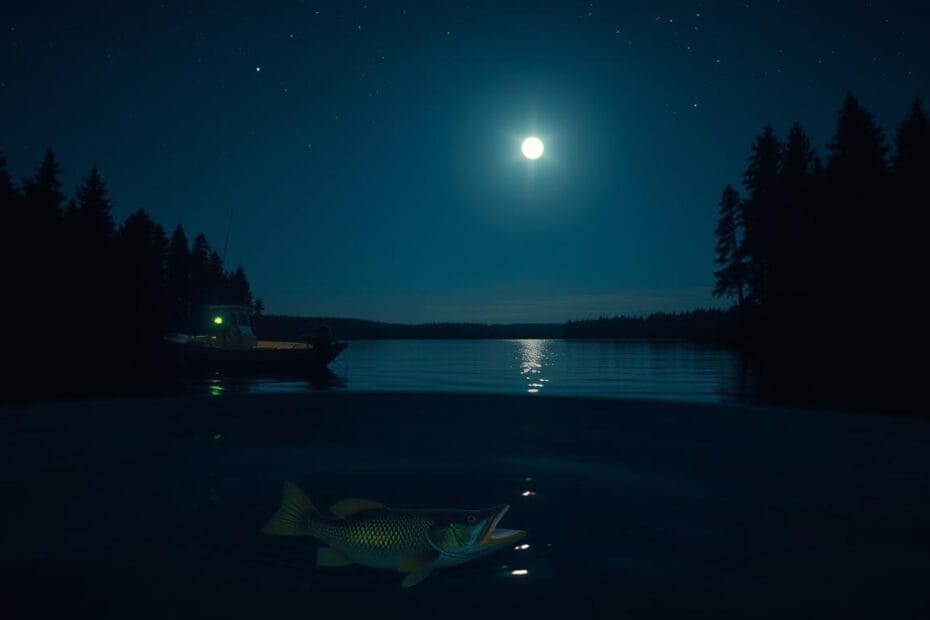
(223, 318)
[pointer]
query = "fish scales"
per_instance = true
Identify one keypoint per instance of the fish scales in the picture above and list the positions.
(375, 531)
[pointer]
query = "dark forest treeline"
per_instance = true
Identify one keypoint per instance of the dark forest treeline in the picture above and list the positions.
(713, 325)
(823, 259)
(280, 327)
(87, 300)
(698, 325)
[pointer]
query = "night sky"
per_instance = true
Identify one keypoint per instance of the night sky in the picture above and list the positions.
(365, 157)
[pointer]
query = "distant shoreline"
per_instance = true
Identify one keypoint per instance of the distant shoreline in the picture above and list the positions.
(505, 338)
(697, 325)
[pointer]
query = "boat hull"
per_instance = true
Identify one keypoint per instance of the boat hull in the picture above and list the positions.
(196, 358)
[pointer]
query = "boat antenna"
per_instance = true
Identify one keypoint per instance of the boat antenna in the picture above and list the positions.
(228, 228)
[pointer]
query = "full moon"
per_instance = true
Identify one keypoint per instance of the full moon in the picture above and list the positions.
(532, 148)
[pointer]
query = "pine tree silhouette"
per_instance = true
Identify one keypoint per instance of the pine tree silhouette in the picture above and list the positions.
(912, 146)
(92, 215)
(41, 259)
(7, 192)
(910, 166)
(43, 194)
(11, 253)
(790, 280)
(858, 144)
(856, 177)
(239, 290)
(217, 283)
(10, 215)
(87, 272)
(731, 275)
(761, 180)
(139, 255)
(178, 281)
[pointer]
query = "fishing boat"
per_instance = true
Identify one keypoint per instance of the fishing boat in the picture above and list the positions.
(231, 347)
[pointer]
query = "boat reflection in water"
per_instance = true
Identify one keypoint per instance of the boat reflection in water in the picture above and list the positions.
(220, 385)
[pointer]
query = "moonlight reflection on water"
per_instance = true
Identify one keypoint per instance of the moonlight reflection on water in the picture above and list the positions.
(533, 355)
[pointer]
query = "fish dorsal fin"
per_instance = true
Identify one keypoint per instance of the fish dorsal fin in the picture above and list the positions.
(352, 506)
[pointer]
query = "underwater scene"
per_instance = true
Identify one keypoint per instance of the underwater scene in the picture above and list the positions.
(377, 503)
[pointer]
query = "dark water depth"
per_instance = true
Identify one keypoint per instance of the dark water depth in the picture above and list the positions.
(152, 508)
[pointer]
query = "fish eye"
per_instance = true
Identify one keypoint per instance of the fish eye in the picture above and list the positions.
(471, 519)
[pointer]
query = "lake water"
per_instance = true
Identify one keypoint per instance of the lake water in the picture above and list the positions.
(607, 369)
(665, 496)
(152, 508)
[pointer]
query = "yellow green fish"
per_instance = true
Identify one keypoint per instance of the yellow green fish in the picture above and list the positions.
(410, 541)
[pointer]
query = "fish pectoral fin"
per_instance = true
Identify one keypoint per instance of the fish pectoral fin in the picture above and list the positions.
(327, 556)
(414, 564)
(348, 507)
(417, 576)
(417, 568)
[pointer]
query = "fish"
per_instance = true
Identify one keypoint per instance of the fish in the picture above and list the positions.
(412, 542)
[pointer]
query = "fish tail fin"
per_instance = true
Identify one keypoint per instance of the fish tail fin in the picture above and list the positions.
(294, 516)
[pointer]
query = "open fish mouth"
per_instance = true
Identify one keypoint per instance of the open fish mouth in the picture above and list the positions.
(494, 535)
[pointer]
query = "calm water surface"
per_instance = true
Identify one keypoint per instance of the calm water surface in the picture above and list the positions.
(152, 507)
(605, 369)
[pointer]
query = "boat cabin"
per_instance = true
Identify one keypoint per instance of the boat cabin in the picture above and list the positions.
(230, 327)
